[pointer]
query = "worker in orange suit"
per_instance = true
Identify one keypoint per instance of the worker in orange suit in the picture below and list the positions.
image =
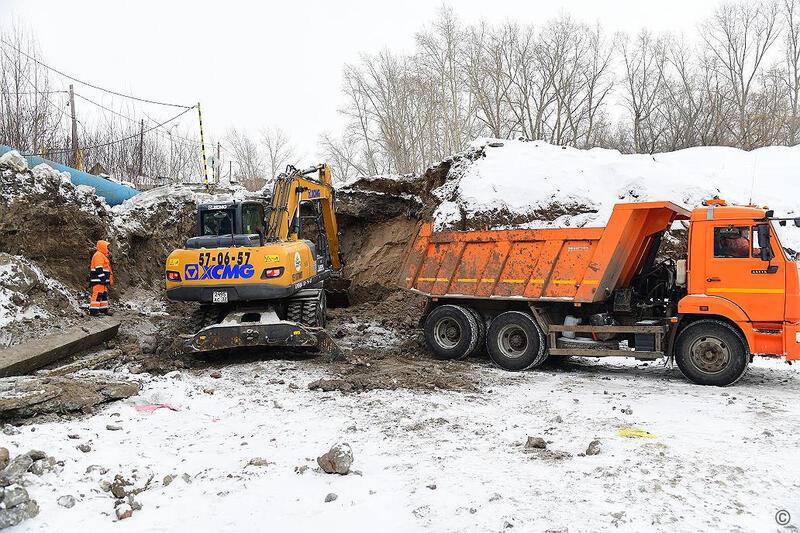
(100, 279)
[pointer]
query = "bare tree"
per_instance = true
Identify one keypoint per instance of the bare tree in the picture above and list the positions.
(740, 35)
(645, 61)
(490, 72)
(31, 110)
(249, 160)
(343, 154)
(278, 151)
(791, 15)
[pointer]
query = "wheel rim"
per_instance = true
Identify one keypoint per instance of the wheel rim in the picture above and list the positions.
(513, 341)
(447, 333)
(710, 354)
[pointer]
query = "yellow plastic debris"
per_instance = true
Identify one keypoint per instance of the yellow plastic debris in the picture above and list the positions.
(635, 433)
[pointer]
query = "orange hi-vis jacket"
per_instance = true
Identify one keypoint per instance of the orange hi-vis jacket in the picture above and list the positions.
(100, 278)
(101, 266)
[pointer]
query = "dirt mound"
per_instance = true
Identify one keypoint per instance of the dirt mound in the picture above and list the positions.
(374, 253)
(31, 300)
(144, 232)
(50, 221)
(385, 349)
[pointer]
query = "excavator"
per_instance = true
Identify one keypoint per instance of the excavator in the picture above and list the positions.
(259, 281)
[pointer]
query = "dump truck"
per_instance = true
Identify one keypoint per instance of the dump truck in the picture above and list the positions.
(531, 294)
(256, 273)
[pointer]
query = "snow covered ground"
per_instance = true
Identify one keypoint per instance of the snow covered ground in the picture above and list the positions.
(723, 459)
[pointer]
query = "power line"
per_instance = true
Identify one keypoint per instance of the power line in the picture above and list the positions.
(101, 106)
(136, 121)
(31, 93)
(65, 150)
(115, 93)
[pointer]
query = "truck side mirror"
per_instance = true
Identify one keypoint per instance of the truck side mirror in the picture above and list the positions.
(764, 242)
(797, 222)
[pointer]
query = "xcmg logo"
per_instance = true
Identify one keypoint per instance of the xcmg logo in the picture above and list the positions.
(193, 271)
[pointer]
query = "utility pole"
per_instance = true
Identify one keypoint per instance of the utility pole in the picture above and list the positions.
(203, 147)
(219, 165)
(141, 148)
(75, 156)
(169, 132)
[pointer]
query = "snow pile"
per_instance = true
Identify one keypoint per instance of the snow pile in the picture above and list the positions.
(27, 293)
(171, 200)
(18, 182)
(535, 184)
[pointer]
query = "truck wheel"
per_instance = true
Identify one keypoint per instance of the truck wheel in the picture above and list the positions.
(515, 341)
(451, 332)
(711, 352)
(480, 346)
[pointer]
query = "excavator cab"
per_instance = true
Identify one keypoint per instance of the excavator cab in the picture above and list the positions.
(229, 224)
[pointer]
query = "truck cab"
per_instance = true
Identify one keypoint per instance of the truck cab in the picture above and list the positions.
(741, 271)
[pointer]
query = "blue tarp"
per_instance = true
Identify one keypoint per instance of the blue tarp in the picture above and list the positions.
(114, 193)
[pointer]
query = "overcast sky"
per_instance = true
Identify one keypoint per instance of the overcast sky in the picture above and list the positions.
(259, 63)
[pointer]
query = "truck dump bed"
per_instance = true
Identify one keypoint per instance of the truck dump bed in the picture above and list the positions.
(566, 264)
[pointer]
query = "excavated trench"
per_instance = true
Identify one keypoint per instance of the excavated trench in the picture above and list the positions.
(48, 229)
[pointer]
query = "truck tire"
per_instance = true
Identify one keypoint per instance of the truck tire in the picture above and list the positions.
(711, 352)
(480, 346)
(451, 332)
(515, 341)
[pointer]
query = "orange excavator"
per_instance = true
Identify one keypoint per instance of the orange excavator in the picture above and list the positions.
(533, 294)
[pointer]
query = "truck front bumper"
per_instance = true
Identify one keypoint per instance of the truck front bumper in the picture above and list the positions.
(791, 340)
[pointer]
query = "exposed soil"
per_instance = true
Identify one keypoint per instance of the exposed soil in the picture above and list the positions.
(54, 234)
(374, 254)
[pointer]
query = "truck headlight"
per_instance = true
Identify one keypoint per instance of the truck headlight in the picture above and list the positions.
(797, 337)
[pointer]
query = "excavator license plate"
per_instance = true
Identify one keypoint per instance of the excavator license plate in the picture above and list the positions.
(220, 297)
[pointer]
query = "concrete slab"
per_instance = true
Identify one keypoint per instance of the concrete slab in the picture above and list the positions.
(27, 357)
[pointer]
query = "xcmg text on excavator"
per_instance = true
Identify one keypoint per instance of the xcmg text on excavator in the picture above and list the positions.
(258, 280)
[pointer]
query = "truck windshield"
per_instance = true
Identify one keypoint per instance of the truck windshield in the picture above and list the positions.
(789, 235)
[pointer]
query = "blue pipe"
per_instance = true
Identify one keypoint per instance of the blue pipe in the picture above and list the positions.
(114, 193)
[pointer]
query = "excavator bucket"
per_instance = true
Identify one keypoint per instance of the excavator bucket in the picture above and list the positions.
(337, 291)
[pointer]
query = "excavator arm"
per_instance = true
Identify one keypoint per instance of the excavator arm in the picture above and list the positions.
(291, 189)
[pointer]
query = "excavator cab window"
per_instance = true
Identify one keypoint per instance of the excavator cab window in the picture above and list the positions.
(252, 219)
(217, 221)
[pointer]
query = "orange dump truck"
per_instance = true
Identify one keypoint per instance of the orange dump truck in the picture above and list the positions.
(531, 294)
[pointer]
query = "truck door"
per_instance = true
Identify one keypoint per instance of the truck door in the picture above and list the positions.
(735, 271)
